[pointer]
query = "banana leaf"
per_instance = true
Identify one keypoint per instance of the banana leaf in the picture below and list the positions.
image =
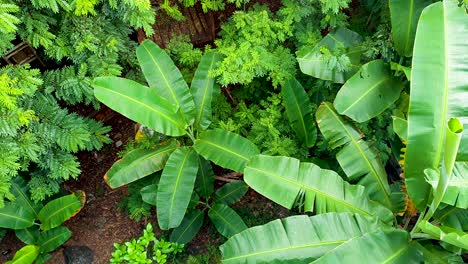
(456, 193)
(16, 217)
(453, 217)
(368, 92)
(51, 239)
(439, 87)
(189, 227)
(176, 187)
(57, 211)
(139, 163)
(20, 190)
(449, 235)
(436, 255)
(299, 111)
(205, 178)
(202, 89)
(26, 255)
(225, 149)
(226, 220)
(28, 235)
(295, 239)
(283, 179)
(358, 159)
(404, 16)
(314, 63)
(141, 104)
(164, 77)
(231, 192)
(382, 246)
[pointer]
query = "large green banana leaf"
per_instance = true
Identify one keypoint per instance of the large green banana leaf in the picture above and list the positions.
(226, 220)
(28, 235)
(369, 92)
(149, 194)
(436, 255)
(299, 111)
(283, 179)
(164, 77)
(189, 227)
(453, 217)
(176, 187)
(404, 16)
(231, 192)
(139, 163)
(202, 89)
(141, 104)
(450, 235)
(14, 216)
(316, 64)
(20, 190)
(382, 246)
(457, 186)
(439, 89)
(26, 255)
(357, 158)
(204, 184)
(57, 211)
(52, 239)
(225, 149)
(296, 239)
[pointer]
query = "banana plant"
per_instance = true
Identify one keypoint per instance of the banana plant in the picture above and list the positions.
(37, 225)
(168, 106)
(226, 221)
(440, 233)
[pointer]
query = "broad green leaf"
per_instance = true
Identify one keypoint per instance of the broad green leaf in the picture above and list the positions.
(457, 186)
(231, 192)
(163, 76)
(194, 200)
(404, 15)
(399, 68)
(188, 228)
(149, 194)
(176, 187)
(313, 62)
(139, 163)
(283, 179)
(57, 211)
(202, 89)
(296, 239)
(226, 220)
(453, 217)
(449, 235)
(28, 235)
(13, 216)
(358, 159)
(26, 255)
(225, 149)
(299, 111)
(20, 190)
(53, 238)
(369, 92)
(436, 255)
(438, 92)
(140, 103)
(382, 246)
(400, 127)
(205, 178)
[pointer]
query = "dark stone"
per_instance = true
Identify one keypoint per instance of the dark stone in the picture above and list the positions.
(78, 255)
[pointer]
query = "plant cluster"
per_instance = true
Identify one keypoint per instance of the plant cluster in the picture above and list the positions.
(365, 207)
(38, 225)
(146, 249)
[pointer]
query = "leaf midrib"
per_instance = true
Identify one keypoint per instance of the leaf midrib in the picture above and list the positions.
(47, 219)
(179, 175)
(301, 114)
(365, 94)
(224, 149)
(145, 106)
(319, 244)
(207, 83)
(28, 201)
(318, 192)
(356, 144)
